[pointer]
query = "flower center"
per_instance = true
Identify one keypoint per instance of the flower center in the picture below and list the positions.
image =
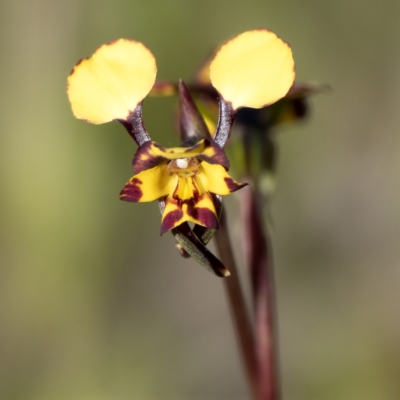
(183, 167)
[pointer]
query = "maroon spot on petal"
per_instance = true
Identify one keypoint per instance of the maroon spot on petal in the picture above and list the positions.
(196, 146)
(207, 218)
(204, 215)
(132, 191)
(170, 220)
(79, 62)
(143, 158)
(232, 185)
(142, 165)
(196, 194)
(158, 146)
(111, 42)
(219, 156)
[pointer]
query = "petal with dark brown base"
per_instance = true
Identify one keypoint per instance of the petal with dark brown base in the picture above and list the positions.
(149, 185)
(215, 179)
(199, 210)
(151, 154)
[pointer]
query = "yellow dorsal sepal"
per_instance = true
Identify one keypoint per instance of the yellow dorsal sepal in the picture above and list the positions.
(254, 69)
(110, 84)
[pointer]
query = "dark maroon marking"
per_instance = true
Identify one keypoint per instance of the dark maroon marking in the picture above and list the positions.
(196, 194)
(202, 214)
(143, 165)
(170, 220)
(218, 158)
(111, 42)
(189, 202)
(132, 192)
(144, 160)
(194, 147)
(203, 233)
(79, 62)
(175, 198)
(205, 216)
(232, 185)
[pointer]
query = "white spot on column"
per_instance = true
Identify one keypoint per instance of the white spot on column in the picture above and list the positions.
(182, 163)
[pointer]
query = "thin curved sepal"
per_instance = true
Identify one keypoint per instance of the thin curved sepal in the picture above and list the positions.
(192, 125)
(135, 126)
(194, 247)
(226, 119)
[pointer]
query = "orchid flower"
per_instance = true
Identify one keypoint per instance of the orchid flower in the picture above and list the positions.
(253, 70)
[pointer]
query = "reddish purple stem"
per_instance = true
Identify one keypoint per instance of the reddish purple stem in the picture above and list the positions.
(243, 328)
(258, 252)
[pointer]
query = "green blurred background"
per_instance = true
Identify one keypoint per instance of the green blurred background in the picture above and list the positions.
(94, 305)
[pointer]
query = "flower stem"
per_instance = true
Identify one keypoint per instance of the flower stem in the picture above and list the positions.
(258, 252)
(243, 329)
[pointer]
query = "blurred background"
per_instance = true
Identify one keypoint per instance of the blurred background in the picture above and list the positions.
(94, 305)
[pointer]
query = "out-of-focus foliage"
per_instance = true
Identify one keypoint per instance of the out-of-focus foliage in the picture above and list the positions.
(95, 305)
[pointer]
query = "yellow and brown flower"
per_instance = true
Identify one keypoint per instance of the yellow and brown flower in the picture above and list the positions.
(254, 69)
(186, 176)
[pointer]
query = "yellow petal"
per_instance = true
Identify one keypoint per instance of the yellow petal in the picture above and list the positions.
(204, 212)
(214, 179)
(173, 215)
(172, 153)
(187, 189)
(151, 154)
(149, 185)
(110, 84)
(254, 69)
(199, 210)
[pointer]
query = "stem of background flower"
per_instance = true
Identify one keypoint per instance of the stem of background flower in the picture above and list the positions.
(243, 329)
(258, 252)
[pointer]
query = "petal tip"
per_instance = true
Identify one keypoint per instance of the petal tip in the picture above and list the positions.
(225, 273)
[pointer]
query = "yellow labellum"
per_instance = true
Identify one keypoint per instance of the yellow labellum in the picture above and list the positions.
(254, 69)
(111, 83)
